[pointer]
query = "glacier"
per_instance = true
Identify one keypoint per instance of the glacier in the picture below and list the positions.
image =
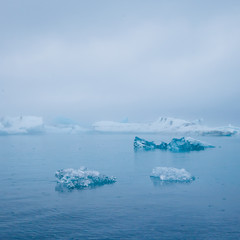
(170, 174)
(166, 125)
(21, 125)
(35, 125)
(81, 178)
(184, 144)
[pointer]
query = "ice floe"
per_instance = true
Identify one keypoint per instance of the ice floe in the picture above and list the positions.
(187, 144)
(82, 178)
(176, 145)
(170, 174)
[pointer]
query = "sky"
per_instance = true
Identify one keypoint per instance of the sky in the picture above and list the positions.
(110, 60)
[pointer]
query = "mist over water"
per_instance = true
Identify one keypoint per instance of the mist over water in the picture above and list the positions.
(92, 61)
(80, 80)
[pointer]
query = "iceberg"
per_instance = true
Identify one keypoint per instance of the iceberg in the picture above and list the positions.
(81, 178)
(170, 174)
(176, 145)
(21, 125)
(230, 128)
(140, 143)
(165, 125)
(187, 144)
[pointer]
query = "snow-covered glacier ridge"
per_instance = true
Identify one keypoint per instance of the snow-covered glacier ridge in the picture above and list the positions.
(34, 125)
(166, 125)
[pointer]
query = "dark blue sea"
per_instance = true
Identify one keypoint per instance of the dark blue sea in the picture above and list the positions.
(135, 207)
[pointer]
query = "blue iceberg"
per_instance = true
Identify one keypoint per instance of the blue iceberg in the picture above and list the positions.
(81, 178)
(170, 174)
(187, 145)
(146, 145)
(176, 145)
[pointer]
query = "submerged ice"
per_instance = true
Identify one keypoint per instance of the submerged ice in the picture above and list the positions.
(82, 178)
(176, 145)
(170, 174)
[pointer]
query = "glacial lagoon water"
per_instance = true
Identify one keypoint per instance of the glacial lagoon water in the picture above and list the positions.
(135, 207)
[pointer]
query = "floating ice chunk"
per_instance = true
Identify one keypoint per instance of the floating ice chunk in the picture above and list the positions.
(176, 145)
(146, 145)
(142, 143)
(187, 144)
(231, 130)
(82, 178)
(170, 174)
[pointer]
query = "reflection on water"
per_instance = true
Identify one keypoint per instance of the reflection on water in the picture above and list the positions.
(157, 182)
(62, 188)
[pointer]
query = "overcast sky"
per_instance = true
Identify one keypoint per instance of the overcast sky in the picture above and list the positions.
(107, 60)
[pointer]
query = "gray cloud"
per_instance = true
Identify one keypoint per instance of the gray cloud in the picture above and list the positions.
(94, 61)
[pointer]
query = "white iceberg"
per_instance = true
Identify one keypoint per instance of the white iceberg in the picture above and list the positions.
(165, 125)
(170, 174)
(21, 125)
(82, 178)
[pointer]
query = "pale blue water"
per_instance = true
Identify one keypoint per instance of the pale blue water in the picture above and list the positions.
(135, 207)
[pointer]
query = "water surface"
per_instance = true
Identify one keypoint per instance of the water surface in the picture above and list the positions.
(135, 207)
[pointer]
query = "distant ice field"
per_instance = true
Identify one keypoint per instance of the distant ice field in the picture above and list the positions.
(165, 125)
(136, 206)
